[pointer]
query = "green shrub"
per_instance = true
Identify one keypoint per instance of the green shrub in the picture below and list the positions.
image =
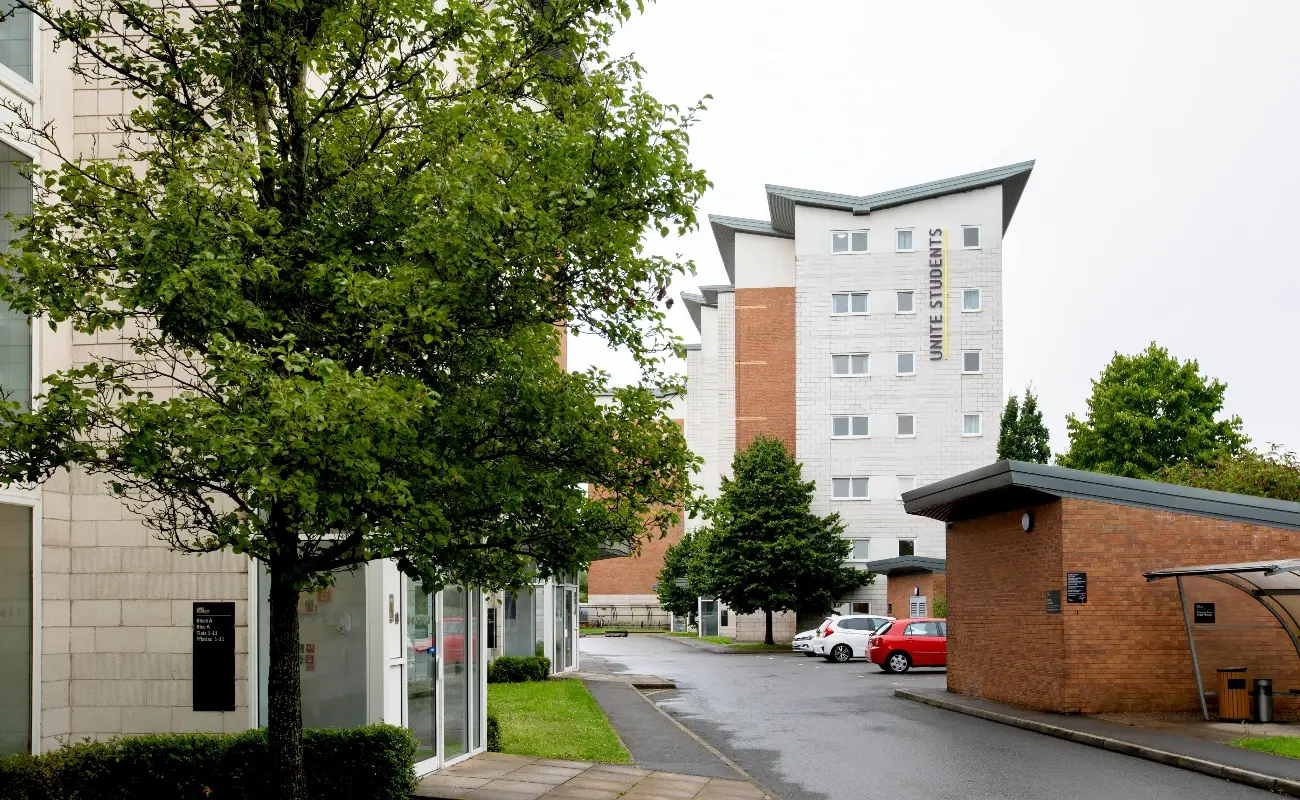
(518, 669)
(493, 733)
(374, 762)
(940, 607)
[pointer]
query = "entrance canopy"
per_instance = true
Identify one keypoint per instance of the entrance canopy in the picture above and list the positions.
(1275, 584)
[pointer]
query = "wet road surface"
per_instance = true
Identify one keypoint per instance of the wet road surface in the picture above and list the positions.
(808, 729)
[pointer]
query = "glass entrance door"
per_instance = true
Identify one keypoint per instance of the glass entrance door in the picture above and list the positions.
(422, 672)
(458, 643)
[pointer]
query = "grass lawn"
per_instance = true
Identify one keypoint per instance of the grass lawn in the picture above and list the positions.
(554, 719)
(601, 631)
(1288, 746)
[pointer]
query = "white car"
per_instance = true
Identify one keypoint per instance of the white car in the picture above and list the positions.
(803, 642)
(842, 639)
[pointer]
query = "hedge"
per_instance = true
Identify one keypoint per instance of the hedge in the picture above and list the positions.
(374, 762)
(493, 734)
(518, 669)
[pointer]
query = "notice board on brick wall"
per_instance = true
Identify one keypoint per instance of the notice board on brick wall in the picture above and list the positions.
(214, 656)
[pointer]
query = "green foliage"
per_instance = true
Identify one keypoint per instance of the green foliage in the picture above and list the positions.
(1274, 473)
(493, 733)
(678, 558)
(1288, 746)
(1148, 412)
(766, 550)
(518, 669)
(554, 719)
(939, 607)
(1022, 436)
(374, 762)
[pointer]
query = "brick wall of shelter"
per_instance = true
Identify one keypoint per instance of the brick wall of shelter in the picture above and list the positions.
(753, 627)
(765, 365)
(899, 590)
(1126, 648)
(636, 574)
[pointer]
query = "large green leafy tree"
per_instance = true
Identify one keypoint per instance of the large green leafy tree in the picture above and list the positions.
(1150, 411)
(766, 550)
(1272, 473)
(678, 561)
(1022, 436)
(336, 242)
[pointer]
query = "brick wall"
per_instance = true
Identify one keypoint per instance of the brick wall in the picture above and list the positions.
(765, 365)
(636, 574)
(899, 590)
(1126, 648)
(753, 627)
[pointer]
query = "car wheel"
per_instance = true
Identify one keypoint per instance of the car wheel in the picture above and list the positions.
(841, 653)
(898, 662)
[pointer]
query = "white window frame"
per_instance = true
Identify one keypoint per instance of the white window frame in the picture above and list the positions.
(979, 418)
(900, 479)
(851, 251)
(850, 418)
(850, 373)
(965, 371)
(979, 297)
(850, 312)
(898, 249)
(855, 559)
(905, 374)
(897, 292)
(978, 228)
(850, 498)
(911, 435)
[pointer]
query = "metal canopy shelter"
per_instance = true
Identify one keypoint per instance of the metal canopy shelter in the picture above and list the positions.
(1275, 584)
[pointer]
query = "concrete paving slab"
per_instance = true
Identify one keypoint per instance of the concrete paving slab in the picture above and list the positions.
(654, 741)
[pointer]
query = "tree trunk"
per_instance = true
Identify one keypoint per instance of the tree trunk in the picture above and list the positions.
(284, 692)
(767, 614)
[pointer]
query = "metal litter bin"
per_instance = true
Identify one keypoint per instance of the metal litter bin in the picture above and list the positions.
(1234, 698)
(1263, 706)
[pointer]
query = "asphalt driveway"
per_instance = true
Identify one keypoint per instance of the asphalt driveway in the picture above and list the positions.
(806, 728)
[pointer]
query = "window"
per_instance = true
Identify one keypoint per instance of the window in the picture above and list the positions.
(922, 629)
(850, 303)
(16, 629)
(850, 241)
(970, 362)
(15, 332)
(906, 364)
(970, 299)
(859, 553)
(723, 621)
(16, 41)
(849, 489)
(970, 237)
(904, 242)
(906, 483)
(907, 547)
(850, 364)
(847, 427)
(860, 608)
(970, 425)
(906, 424)
(904, 301)
(883, 629)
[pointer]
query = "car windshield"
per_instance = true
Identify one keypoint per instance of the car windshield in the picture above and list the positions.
(883, 629)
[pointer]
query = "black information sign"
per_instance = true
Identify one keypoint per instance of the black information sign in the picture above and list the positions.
(214, 656)
(1203, 612)
(1076, 587)
(1054, 601)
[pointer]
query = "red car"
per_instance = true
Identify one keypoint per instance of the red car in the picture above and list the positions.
(906, 643)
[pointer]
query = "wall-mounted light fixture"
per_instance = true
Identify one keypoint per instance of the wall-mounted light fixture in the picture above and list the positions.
(1027, 522)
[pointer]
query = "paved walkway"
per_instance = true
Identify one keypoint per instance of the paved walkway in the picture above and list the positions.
(497, 776)
(1250, 767)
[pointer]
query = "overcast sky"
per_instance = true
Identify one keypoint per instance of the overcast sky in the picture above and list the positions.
(1163, 205)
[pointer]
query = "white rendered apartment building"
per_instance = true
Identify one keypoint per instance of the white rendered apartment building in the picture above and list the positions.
(865, 332)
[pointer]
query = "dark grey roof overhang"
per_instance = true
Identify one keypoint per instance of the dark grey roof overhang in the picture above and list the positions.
(1008, 485)
(906, 565)
(724, 233)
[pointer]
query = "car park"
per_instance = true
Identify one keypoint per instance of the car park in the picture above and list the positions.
(843, 639)
(908, 643)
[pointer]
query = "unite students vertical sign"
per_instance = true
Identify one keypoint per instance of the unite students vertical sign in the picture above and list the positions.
(938, 265)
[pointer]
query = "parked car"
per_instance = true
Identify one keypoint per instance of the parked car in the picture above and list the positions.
(908, 643)
(845, 638)
(803, 642)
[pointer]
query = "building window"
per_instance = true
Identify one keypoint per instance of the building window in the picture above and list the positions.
(906, 483)
(970, 425)
(970, 237)
(15, 629)
(904, 303)
(850, 364)
(850, 241)
(907, 547)
(850, 303)
(970, 299)
(906, 424)
(860, 608)
(904, 243)
(970, 362)
(860, 548)
(906, 364)
(850, 427)
(850, 489)
(16, 41)
(15, 332)
(723, 618)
